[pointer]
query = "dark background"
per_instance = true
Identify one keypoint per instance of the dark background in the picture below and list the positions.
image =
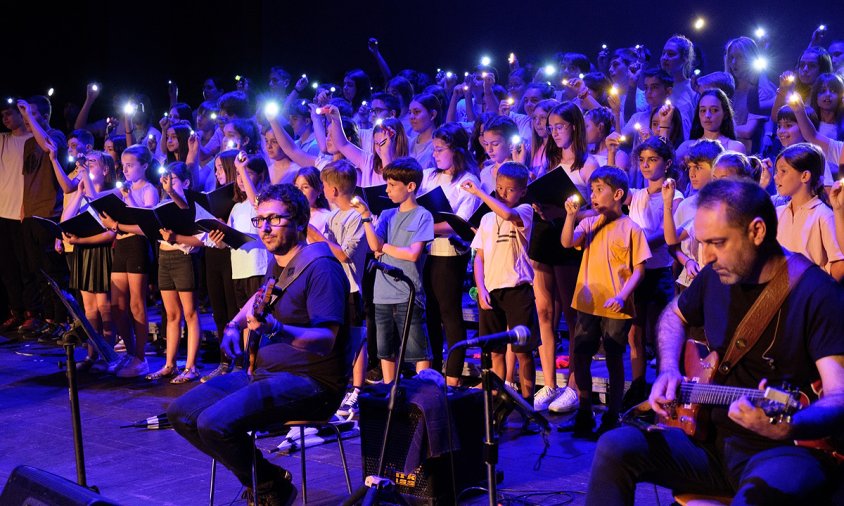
(139, 46)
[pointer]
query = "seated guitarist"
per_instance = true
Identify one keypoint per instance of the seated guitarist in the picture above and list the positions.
(301, 369)
(744, 455)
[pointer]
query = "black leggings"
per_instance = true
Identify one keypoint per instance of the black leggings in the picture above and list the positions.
(443, 280)
(218, 280)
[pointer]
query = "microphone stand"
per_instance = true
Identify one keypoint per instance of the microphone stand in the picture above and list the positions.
(490, 439)
(377, 485)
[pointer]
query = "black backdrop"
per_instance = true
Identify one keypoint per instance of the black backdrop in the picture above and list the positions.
(139, 46)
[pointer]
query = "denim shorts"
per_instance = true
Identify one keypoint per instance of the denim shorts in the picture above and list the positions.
(389, 322)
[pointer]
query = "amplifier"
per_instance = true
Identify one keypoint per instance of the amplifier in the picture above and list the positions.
(430, 482)
(29, 486)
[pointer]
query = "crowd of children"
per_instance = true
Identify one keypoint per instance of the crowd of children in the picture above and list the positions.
(636, 141)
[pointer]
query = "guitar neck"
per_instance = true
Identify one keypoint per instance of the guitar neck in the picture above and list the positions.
(714, 395)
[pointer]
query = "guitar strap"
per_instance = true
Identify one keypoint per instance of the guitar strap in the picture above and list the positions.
(756, 320)
(299, 263)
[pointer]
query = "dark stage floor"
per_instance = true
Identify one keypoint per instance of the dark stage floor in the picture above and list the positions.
(156, 467)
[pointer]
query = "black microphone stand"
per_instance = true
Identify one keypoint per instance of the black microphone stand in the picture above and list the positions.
(377, 488)
(490, 438)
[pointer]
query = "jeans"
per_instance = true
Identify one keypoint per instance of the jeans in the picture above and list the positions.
(216, 416)
(389, 319)
(780, 475)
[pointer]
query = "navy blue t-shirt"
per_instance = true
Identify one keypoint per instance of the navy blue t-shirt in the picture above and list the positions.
(809, 326)
(316, 298)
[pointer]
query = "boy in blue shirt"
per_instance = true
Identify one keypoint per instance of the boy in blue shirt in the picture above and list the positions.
(399, 240)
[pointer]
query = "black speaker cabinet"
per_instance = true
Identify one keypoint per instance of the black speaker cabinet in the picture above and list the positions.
(430, 482)
(28, 486)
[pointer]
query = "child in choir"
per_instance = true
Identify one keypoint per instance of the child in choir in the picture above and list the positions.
(497, 140)
(131, 263)
(308, 181)
(90, 270)
(655, 158)
(177, 283)
(446, 266)
(345, 236)
(806, 224)
(400, 239)
(503, 272)
(677, 226)
(615, 250)
(283, 169)
(426, 115)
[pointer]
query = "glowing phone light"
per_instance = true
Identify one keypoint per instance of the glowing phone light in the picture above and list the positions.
(794, 98)
(484, 74)
(511, 101)
(118, 185)
(515, 140)
(162, 170)
(304, 76)
(667, 101)
(485, 60)
(565, 82)
(332, 89)
(581, 75)
(271, 109)
(355, 200)
(822, 27)
(231, 144)
(697, 72)
(614, 90)
(320, 110)
(760, 32)
(315, 85)
(213, 116)
(50, 92)
(379, 122)
(150, 137)
(603, 46)
(760, 63)
(130, 108)
(449, 75)
(790, 78)
(622, 138)
(511, 59)
(699, 24)
(94, 87)
(550, 70)
(363, 103)
(637, 126)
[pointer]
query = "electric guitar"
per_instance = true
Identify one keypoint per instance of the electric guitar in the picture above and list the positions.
(697, 392)
(261, 307)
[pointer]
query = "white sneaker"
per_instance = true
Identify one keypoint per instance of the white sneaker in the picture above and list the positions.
(545, 396)
(566, 402)
(119, 346)
(133, 368)
(115, 366)
(349, 407)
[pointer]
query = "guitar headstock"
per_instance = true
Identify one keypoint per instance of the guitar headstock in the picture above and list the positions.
(263, 297)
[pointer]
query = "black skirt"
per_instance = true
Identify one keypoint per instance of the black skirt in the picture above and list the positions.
(92, 268)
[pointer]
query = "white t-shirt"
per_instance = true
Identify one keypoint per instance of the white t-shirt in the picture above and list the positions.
(505, 244)
(684, 218)
(252, 259)
(646, 210)
(319, 219)
(11, 175)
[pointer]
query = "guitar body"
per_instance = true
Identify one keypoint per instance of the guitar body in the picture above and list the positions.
(698, 369)
(260, 308)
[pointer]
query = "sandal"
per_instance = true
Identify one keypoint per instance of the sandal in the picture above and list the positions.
(185, 376)
(164, 372)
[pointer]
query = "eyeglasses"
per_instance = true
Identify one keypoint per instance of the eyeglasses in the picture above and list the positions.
(559, 127)
(275, 221)
(375, 111)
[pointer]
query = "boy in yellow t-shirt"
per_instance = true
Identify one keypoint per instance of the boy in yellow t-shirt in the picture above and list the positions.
(614, 252)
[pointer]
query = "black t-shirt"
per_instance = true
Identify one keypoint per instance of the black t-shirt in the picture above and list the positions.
(316, 298)
(807, 327)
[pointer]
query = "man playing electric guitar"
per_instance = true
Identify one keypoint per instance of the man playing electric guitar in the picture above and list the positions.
(745, 455)
(303, 365)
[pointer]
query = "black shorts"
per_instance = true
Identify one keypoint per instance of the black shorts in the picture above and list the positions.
(132, 255)
(510, 307)
(175, 271)
(657, 287)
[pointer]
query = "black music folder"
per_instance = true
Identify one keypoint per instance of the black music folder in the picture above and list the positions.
(218, 202)
(233, 237)
(553, 188)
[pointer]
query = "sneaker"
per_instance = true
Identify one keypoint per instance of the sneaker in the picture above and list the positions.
(30, 324)
(513, 385)
(11, 323)
(185, 376)
(566, 402)
(120, 346)
(374, 376)
(85, 365)
(349, 407)
(221, 369)
(133, 368)
(581, 425)
(543, 398)
(113, 367)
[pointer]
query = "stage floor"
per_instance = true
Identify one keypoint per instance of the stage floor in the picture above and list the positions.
(156, 467)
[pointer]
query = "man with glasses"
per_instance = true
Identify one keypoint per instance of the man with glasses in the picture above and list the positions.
(301, 368)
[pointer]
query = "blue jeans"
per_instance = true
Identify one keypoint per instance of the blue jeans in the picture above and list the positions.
(389, 321)
(780, 475)
(216, 416)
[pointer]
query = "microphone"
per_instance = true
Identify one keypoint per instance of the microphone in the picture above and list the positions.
(389, 270)
(153, 423)
(517, 335)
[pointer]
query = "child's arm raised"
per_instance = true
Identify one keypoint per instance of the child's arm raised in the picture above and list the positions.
(375, 242)
(352, 153)
(499, 208)
(570, 237)
(286, 143)
(248, 186)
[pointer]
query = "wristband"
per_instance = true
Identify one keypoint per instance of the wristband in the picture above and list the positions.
(366, 220)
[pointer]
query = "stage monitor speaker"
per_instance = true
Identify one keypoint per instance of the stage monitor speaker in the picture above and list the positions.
(29, 486)
(430, 482)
